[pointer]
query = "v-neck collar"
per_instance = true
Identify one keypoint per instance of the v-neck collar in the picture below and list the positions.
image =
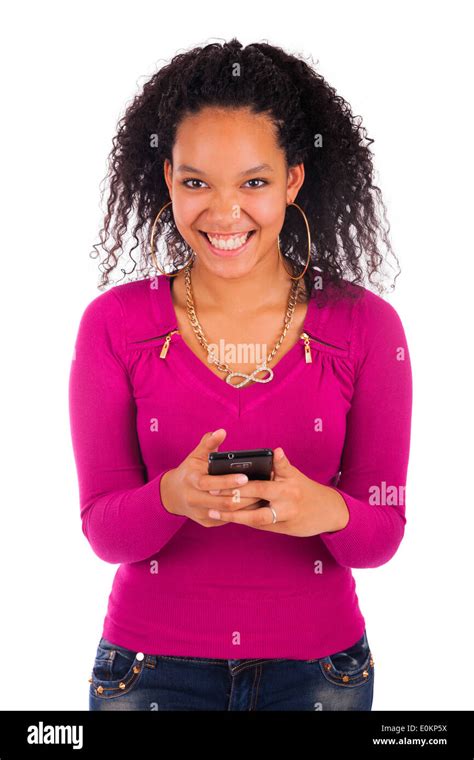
(195, 372)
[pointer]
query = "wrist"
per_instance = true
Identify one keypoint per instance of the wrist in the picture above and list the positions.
(338, 515)
(332, 512)
(165, 491)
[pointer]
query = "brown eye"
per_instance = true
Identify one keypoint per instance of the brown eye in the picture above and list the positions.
(191, 179)
(258, 180)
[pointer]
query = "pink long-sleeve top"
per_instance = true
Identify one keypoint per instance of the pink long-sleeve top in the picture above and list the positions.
(343, 419)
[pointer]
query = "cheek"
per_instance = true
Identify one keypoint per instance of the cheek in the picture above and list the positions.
(186, 210)
(269, 222)
(268, 207)
(267, 210)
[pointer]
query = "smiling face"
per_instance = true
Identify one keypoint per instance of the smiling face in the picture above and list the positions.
(229, 179)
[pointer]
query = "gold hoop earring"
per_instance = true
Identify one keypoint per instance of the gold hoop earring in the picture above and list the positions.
(152, 253)
(309, 244)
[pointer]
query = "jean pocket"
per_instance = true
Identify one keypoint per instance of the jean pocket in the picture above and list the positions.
(116, 670)
(350, 667)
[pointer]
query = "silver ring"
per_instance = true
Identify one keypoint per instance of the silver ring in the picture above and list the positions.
(274, 515)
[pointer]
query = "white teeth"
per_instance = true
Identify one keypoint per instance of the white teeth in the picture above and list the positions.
(229, 243)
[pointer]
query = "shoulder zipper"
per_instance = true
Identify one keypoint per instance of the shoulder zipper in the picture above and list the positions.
(166, 344)
(307, 350)
(306, 337)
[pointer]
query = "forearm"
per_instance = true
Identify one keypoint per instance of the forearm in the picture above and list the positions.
(130, 525)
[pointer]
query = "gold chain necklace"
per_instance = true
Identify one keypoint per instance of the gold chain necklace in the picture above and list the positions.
(191, 312)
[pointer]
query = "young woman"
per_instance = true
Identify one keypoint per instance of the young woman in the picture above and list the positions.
(231, 595)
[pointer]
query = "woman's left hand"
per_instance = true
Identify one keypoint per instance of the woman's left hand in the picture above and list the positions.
(303, 507)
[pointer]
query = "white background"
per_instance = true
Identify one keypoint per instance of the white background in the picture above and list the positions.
(68, 71)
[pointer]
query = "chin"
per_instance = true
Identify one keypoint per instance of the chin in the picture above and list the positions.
(230, 269)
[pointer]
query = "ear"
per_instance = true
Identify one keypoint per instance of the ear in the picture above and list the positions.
(294, 181)
(168, 174)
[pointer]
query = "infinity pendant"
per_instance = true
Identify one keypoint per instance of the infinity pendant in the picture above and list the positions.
(248, 378)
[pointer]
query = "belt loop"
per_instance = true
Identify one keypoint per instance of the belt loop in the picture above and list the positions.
(150, 660)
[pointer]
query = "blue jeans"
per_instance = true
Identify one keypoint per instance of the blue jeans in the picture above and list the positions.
(122, 679)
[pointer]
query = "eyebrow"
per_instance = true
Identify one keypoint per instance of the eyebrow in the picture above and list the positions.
(253, 170)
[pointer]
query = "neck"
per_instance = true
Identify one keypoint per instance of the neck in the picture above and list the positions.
(266, 286)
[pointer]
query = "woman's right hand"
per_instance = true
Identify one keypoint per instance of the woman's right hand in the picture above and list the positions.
(185, 489)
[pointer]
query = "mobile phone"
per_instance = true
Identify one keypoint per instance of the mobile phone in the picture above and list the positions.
(257, 464)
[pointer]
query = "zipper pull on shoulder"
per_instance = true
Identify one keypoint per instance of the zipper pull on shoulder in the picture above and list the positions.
(166, 344)
(307, 349)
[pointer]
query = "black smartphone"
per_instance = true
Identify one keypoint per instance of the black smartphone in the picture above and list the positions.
(257, 464)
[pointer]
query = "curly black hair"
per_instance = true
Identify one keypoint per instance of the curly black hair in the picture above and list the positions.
(345, 212)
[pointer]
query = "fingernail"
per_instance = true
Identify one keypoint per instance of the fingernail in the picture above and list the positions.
(214, 514)
(220, 430)
(241, 479)
(214, 493)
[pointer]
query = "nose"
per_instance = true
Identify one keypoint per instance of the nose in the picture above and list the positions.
(223, 211)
